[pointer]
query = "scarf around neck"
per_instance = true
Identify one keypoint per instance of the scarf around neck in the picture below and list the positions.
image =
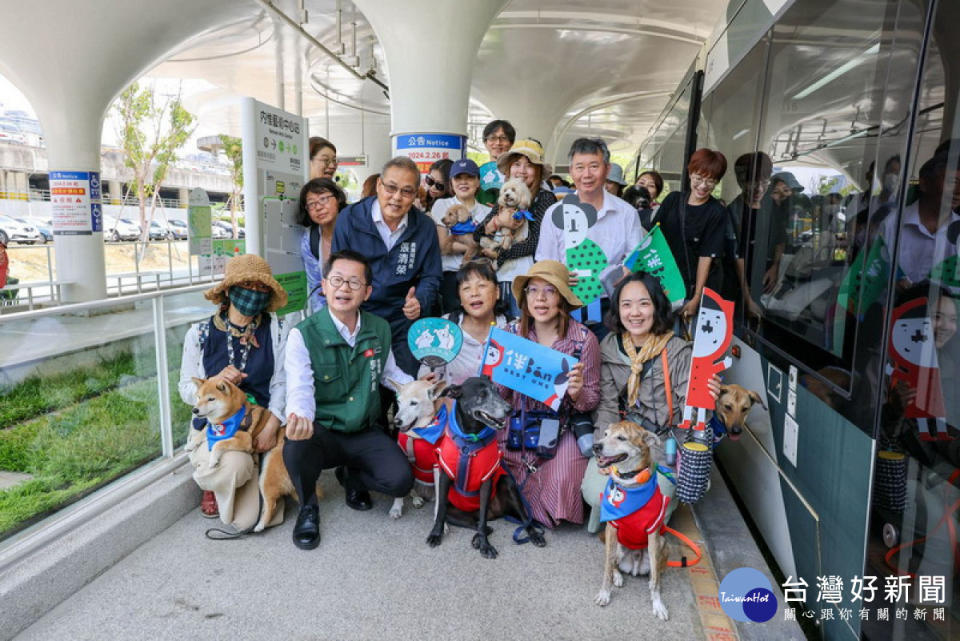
(245, 334)
(651, 348)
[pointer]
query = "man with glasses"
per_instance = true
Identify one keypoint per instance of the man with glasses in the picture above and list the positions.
(400, 243)
(335, 362)
(498, 138)
(617, 228)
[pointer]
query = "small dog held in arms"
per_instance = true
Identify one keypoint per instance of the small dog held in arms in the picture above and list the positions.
(512, 203)
(233, 424)
(459, 222)
(633, 508)
(419, 419)
(473, 486)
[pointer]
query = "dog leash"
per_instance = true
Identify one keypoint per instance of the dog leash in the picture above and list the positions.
(683, 562)
(951, 529)
(217, 534)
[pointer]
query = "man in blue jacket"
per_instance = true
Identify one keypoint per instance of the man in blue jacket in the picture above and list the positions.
(400, 243)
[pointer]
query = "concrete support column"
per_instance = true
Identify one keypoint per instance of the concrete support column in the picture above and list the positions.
(4, 194)
(428, 117)
(114, 195)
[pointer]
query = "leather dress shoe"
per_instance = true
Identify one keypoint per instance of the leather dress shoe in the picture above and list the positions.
(306, 532)
(357, 499)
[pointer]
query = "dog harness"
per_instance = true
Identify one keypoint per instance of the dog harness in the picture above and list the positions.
(223, 431)
(635, 512)
(464, 228)
(422, 451)
(470, 460)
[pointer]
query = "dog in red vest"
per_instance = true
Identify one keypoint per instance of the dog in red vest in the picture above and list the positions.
(473, 481)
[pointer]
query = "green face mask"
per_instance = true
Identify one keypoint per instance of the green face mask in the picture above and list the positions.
(249, 302)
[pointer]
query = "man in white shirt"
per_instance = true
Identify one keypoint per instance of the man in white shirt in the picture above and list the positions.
(925, 225)
(335, 362)
(617, 230)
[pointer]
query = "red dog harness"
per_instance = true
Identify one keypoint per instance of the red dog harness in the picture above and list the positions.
(422, 455)
(469, 460)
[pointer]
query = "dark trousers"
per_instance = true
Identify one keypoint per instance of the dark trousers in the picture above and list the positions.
(373, 461)
(449, 293)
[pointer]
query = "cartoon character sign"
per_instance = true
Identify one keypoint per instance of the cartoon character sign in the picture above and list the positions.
(714, 333)
(492, 358)
(434, 341)
(914, 362)
(583, 256)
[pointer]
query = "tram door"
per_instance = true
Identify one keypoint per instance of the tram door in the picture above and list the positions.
(843, 197)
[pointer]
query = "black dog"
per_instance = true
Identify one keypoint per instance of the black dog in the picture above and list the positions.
(470, 492)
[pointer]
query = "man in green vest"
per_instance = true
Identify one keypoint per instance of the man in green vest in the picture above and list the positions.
(335, 362)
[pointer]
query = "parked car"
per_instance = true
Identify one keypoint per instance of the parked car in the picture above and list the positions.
(227, 227)
(123, 229)
(46, 230)
(218, 232)
(178, 229)
(159, 231)
(12, 230)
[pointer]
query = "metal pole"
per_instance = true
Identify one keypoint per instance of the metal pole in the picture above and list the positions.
(170, 259)
(163, 377)
(49, 266)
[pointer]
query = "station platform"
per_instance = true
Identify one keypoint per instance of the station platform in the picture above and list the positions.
(373, 577)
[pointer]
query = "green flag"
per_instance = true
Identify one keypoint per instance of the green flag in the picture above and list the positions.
(868, 278)
(946, 272)
(653, 256)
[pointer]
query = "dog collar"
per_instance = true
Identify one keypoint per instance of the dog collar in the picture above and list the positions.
(222, 431)
(643, 475)
(481, 438)
(523, 213)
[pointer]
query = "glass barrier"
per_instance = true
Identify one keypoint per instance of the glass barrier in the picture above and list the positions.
(78, 405)
(180, 312)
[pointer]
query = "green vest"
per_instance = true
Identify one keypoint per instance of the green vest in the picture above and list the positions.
(346, 379)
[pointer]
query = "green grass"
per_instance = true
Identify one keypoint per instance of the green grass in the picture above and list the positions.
(84, 429)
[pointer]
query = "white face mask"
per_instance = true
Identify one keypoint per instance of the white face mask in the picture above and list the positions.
(890, 183)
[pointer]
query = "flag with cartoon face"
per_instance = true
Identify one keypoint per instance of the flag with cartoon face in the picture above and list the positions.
(583, 257)
(527, 367)
(913, 356)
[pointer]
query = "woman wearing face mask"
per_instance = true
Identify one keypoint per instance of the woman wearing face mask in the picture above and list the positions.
(242, 342)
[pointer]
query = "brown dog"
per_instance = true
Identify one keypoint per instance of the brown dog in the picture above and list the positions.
(217, 401)
(733, 405)
(627, 451)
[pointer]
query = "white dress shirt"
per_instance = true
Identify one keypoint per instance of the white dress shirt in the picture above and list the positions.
(617, 232)
(919, 250)
(389, 236)
(300, 390)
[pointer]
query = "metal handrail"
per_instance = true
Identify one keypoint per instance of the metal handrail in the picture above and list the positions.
(72, 308)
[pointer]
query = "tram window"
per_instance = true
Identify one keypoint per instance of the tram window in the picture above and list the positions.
(729, 118)
(826, 85)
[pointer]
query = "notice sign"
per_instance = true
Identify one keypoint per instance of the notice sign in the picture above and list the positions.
(75, 202)
(426, 149)
(279, 137)
(198, 223)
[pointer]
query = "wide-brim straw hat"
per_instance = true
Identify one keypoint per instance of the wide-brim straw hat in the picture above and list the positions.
(244, 269)
(553, 272)
(531, 149)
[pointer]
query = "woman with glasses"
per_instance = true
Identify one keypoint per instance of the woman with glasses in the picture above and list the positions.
(323, 158)
(437, 182)
(321, 200)
(551, 486)
(243, 342)
(693, 224)
(523, 161)
(457, 240)
(480, 309)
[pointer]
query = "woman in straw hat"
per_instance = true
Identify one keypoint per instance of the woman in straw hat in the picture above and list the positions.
(546, 300)
(523, 161)
(243, 342)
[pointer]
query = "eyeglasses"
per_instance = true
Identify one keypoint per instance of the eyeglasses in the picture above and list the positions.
(325, 160)
(319, 203)
(391, 189)
(700, 180)
(337, 281)
(500, 139)
(255, 285)
(533, 292)
(432, 182)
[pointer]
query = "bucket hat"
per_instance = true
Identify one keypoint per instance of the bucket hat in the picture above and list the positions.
(531, 149)
(553, 272)
(244, 269)
(616, 174)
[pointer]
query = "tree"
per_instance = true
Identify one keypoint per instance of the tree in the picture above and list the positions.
(233, 150)
(151, 134)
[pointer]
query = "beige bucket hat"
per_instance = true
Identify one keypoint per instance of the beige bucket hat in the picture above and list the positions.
(243, 269)
(553, 272)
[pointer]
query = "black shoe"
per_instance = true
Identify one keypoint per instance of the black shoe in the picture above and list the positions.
(306, 532)
(359, 499)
